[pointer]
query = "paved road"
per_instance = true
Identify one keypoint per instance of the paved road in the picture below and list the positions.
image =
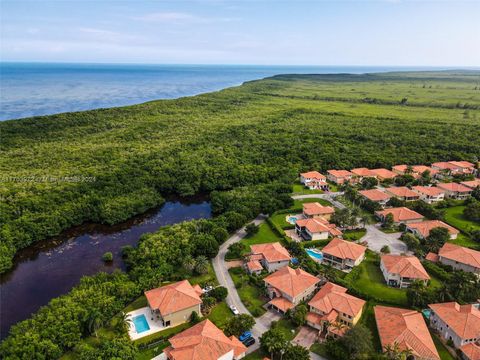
(376, 239)
(224, 279)
(326, 196)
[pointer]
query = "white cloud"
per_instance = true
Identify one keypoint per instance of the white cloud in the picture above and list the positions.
(180, 18)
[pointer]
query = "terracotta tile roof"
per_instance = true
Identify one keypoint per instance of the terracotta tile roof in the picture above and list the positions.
(402, 191)
(281, 303)
(313, 225)
(471, 351)
(384, 173)
(461, 254)
(374, 195)
(405, 266)
(431, 257)
(428, 190)
(417, 169)
(198, 289)
(332, 297)
(445, 165)
(317, 209)
(203, 341)
(364, 172)
(424, 227)
(400, 214)
(464, 320)
(344, 249)
(406, 328)
(462, 164)
(271, 252)
(172, 298)
(254, 265)
(290, 281)
(454, 187)
(471, 184)
(340, 173)
(313, 175)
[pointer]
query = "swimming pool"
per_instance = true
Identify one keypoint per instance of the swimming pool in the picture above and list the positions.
(292, 220)
(141, 323)
(315, 254)
(427, 313)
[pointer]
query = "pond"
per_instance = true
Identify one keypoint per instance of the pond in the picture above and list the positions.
(51, 268)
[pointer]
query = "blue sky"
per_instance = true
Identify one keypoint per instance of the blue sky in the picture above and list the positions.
(383, 32)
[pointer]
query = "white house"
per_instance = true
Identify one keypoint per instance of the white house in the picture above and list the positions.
(400, 271)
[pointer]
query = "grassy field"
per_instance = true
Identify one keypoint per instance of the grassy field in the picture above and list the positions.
(454, 216)
(300, 189)
(264, 235)
(252, 296)
(354, 235)
(220, 315)
(297, 204)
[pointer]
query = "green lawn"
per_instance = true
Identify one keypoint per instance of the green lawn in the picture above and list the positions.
(220, 315)
(368, 319)
(300, 189)
(280, 221)
(136, 304)
(256, 355)
(442, 350)
(252, 296)
(372, 282)
(354, 235)
(298, 204)
(265, 235)
(201, 279)
(319, 349)
(464, 240)
(287, 328)
(454, 216)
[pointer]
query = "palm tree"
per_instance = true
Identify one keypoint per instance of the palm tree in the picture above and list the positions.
(123, 323)
(393, 352)
(95, 322)
(364, 219)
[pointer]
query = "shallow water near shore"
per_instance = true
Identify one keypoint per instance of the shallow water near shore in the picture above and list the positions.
(52, 267)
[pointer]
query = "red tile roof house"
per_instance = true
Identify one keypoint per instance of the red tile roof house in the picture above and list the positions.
(417, 170)
(400, 215)
(342, 254)
(400, 271)
(471, 351)
(422, 229)
(340, 176)
(316, 229)
(453, 168)
(459, 323)
(361, 173)
(271, 256)
(473, 184)
(287, 287)
(375, 195)
(429, 194)
(317, 210)
(173, 304)
(204, 341)
(384, 174)
(314, 180)
(403, 193)
(455, 191)
(460, 258)
(332, 306)
(407, 329)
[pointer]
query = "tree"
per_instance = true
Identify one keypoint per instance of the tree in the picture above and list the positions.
(369, 183)
(208, 303)
(299, 314)
(358, 342)
(95, 322)
(219, 293)
(476, 193)
(475, 235)
(385, 249)
(436, 239)
(388, 221)
(107, 257)
(235, 250)
(273, 341)
(251, 229)
(237, 325)
(394, 352)
(205, 245)
(123, 323)
(296, 352)
(201, 266)
(412, 242)
(417, 294)
(194, 318)
(472, 211)
(189, 263)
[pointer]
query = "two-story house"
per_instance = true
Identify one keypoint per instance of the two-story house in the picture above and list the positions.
(400, 271)
(403, 193)
(375, 195)
(340, 176)
(455, 191)
(342, 254)
(270, 256)
(400, 215)
(314, 180)
(429, 194)
(422, 229)
(317, 210)
(316, 229)
(459, 257)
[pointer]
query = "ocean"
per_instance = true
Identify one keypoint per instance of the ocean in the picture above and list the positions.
(32, 89)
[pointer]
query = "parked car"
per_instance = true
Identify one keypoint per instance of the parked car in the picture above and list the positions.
(234, 309)
(245, 336)
(207, 289)
(249, 342)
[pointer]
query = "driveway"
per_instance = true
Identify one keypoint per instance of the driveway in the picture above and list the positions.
(327, 196)
(305, 337)
(224, 279)
(376, 239)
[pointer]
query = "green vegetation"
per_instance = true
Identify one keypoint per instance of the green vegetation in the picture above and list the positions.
(300, 189)
(354, 235)
(264, 235)
(220, 315)
(251, 293)
(442, 350)
(454, 216)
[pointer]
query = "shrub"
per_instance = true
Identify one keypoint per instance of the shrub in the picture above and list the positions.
(219, 293)
(107, 257)
(385, 249)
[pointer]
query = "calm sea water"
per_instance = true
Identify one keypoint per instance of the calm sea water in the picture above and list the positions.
(30, 89)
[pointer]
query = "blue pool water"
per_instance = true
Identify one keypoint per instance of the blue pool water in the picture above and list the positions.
(315, 255)
(141, 323)
(292, 219)
(426, 313)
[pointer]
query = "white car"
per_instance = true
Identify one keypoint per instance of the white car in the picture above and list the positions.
(207, 289)
(234, 310)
